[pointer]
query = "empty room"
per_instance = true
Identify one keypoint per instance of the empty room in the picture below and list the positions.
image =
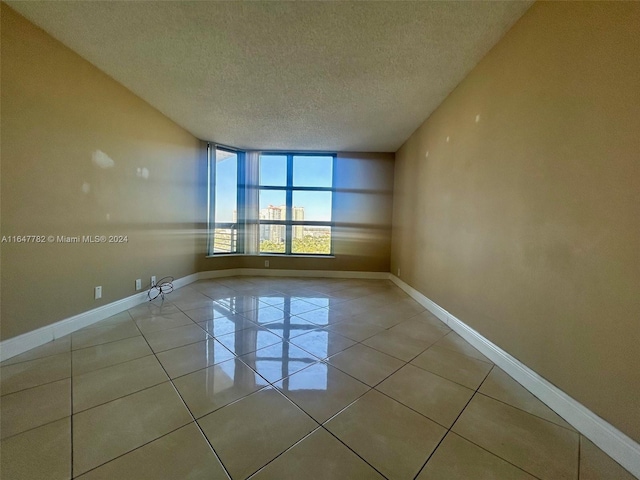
(320, 239)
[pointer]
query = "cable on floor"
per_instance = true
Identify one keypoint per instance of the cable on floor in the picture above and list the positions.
(161, 288)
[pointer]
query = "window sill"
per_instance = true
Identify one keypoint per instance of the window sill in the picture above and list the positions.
(269, 255)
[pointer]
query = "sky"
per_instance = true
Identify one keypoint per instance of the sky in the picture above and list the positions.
(307, 171)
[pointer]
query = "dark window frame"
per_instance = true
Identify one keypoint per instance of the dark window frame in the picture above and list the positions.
(289, 188)
(240, 205)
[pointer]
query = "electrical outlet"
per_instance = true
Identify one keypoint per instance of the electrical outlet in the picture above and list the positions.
(139, 284)
(153, 280)
(398, 273)
(266, 263)
(98, 293)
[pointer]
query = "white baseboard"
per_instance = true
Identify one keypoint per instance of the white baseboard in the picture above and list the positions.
(267, 272)
(612, 441)
(184, 281)
(230, 272)
(22, 343)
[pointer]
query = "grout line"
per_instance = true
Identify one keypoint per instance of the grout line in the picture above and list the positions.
(118, 398)
(123, 396)
(33, 428)
(460, 354)
(36, 386)
(4, 364)
(451, 350)
(494, 455)
(529, 413)
(100, 344)
(340, 410)
(433, 452)
(236, 400)
(437, 374)
(201, 431)
(352, 450)
(207, 366)
(284, 451)
(393, 356)
(579, 453)
(132, 450)
(115, 364)
(416, 411)
(347, 406)
(452, 424)
(327, 360)
(35, 359)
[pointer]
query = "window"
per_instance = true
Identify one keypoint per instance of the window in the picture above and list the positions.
(226, 200)
(296, 196)
(270, 203)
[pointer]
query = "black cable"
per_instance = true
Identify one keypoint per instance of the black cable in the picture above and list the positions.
(162, 286)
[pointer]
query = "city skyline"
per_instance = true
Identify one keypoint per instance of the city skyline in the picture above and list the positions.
(277, 233)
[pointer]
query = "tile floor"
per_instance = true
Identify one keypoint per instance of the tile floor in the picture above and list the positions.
(278, 378)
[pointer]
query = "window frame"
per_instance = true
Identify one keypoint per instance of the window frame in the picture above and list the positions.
(212, 225)
(248, 206)
(289, 188)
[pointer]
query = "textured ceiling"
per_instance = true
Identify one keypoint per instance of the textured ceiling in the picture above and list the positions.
(337, 76)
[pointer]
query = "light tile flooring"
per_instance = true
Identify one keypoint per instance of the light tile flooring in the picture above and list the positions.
(279, 378)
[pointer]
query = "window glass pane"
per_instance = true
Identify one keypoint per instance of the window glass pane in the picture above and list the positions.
(314, 206)
(225, 240)
(273, 205)
(312, 171)
(272, 238)
(273, 170)
(311, 240)
(226, 187)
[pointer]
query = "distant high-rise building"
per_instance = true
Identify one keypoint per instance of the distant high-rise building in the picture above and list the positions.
(298, 214)
(273, 233)
(276, 233)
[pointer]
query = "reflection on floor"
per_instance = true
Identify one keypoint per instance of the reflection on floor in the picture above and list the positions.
(281, 378)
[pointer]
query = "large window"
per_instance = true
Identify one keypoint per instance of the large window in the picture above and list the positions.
(226, 200)
(296, 196)
(270, 203)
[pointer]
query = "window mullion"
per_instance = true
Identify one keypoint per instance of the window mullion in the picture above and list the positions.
(211, 163)
(334, 177)
(240, 209)
(289, 210)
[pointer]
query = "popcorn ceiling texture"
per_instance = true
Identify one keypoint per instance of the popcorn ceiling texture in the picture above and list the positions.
(340, 76)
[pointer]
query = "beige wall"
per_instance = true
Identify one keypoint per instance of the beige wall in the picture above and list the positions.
(362, 212)
(526, 224)
(58, 113)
